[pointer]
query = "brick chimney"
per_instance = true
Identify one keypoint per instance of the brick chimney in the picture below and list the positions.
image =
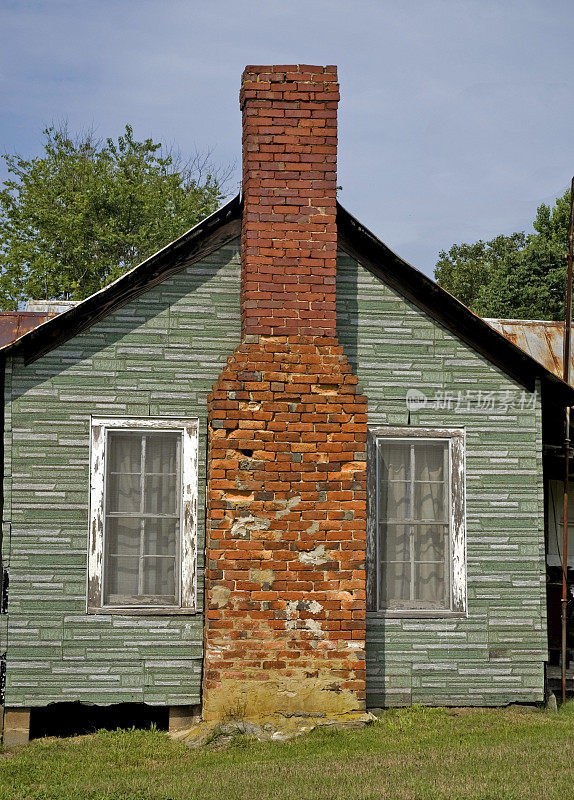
(285, 573)
(289, 242)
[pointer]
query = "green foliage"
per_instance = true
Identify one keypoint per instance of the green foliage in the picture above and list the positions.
(84, 212)
(521, 275)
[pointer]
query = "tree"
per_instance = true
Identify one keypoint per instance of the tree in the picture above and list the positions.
(521, 275)
(85, 211)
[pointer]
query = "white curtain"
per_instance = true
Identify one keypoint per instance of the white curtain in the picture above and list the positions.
(142, 516)
(413, 478)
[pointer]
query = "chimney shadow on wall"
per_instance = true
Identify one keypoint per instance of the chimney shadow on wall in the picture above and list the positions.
(348, 307)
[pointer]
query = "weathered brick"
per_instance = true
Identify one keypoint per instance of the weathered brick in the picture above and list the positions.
(304, 413)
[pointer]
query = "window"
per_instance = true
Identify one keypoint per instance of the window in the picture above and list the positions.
(143, 509)
(416, 543)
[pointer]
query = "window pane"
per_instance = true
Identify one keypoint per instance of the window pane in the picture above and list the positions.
(160, 494)
(430, 586)
(394, 500)
(159, 577)
(162, 479)
(161, 537)
(430, 460)
(122, 574)
(162, 453)
(430, 542)
(123, 536)
(396, 542)
(394, 460)
(395, 584)
(124, 452)
(123, 493)
(430, 502)
(430, 490)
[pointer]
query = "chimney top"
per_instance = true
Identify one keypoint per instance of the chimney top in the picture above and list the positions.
(289, 235)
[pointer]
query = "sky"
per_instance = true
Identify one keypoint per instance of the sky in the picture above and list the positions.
(456, 117)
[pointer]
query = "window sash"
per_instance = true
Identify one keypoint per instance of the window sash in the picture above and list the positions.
(142, 517)
(429, 577)
(103, 515)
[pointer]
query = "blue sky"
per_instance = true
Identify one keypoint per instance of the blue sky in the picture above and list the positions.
(456, 117)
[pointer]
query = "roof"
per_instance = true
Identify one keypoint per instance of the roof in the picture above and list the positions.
(50, 306)
(358, 241)
(193, 245)
(442, 306)
(14, 324)
(541, 339)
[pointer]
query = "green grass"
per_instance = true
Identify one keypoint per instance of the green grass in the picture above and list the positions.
(486, 754)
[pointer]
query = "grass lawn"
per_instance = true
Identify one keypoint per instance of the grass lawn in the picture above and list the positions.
(491, 754)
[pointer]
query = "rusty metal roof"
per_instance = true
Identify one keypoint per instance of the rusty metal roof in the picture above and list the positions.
(542, 340)
(14, 324)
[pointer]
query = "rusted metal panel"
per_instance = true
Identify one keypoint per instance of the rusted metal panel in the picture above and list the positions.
(14, 324)
(542, 340)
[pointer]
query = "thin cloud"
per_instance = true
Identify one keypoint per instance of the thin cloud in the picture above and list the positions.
(455, 118)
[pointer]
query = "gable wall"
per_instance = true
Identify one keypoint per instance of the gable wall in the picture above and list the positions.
(497, 654)
(158, 356)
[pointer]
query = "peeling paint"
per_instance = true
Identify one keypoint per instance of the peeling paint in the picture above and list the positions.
(315, 557)
(243, 527)
(219, 596)
(264, 577)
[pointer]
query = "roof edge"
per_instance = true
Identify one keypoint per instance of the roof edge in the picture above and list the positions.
(442, 306)
(218, 229)
(194, 243)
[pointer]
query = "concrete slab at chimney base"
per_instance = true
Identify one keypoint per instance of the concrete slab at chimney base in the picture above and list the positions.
(281, 697)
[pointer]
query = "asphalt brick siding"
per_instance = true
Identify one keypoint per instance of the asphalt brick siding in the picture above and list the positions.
(496, 655)
(158, 356)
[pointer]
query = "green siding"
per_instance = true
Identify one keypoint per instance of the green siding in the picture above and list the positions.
(496, 654)
(159, 355)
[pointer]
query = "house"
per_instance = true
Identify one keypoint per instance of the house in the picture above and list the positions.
(274, 469)
(544, 341)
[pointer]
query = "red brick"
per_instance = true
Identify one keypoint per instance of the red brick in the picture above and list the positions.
(287, 393)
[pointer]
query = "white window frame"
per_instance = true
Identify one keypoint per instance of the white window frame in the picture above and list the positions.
(99, 429)
(457, 520)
